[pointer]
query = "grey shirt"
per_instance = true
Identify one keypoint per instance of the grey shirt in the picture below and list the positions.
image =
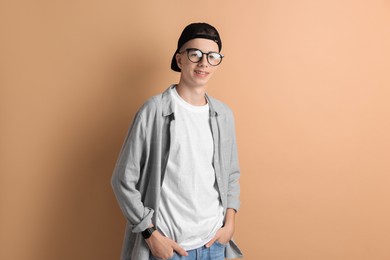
(140, 169)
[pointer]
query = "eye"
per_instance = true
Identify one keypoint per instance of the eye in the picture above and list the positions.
(214, 56)
(196, 53)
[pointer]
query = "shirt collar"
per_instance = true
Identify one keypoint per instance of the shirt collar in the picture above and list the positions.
(168, 107)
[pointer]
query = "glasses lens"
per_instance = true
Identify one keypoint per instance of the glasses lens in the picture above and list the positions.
(214, 58)
(194, 55)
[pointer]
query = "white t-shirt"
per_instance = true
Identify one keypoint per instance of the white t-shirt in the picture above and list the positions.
(190, 211)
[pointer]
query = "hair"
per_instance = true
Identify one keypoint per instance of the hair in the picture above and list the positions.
(193, 31)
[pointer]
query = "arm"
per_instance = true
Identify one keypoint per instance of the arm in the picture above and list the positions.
(124, 180)
(233, 188)
(225, 233)
(126, 175)
(163, 247)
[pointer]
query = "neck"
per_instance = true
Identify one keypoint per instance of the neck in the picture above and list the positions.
(194, 96)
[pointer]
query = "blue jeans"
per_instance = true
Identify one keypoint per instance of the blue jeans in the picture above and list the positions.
(215, 252)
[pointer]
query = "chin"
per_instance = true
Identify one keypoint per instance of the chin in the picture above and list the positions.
(201, 81)
(201, 84)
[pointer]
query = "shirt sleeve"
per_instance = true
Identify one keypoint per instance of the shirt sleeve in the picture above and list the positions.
(233, 198)
(126, 175)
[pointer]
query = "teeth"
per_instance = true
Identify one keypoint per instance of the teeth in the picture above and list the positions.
(200, 72)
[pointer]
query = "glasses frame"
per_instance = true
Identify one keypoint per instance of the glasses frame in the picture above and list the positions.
(203, 53)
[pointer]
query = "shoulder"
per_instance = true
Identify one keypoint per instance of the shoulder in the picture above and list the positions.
(220, 107)
(151, 105)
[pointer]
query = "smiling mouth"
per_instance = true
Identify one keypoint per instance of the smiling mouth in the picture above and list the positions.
(201, 72)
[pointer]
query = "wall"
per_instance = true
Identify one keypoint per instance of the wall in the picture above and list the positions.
(309, 84)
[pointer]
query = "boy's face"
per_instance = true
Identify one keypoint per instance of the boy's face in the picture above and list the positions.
(196, 74)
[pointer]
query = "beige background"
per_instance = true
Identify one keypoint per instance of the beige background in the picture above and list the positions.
(308, 81)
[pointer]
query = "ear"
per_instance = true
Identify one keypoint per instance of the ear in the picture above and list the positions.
(178, 60)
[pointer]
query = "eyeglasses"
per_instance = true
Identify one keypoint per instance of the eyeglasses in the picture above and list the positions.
(196, 55)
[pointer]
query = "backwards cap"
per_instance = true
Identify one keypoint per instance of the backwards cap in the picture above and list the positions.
(192, 31)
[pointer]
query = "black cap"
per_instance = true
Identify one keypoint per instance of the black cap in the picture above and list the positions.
(192, 31)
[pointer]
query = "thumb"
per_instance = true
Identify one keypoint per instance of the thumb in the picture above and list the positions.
(178, 249)
(211, 242)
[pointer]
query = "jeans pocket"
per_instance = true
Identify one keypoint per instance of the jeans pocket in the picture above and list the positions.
(220, 244)
(152, 257)
(217, 251)
(172, 257)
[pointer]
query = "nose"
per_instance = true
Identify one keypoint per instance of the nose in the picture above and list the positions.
(203, 61)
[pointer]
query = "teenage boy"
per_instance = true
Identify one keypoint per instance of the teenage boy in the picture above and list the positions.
(177, 176)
